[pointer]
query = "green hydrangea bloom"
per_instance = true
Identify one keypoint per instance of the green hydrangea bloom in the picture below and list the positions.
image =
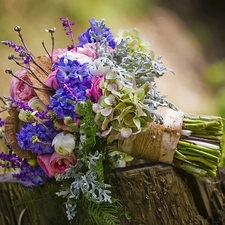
(134, 42)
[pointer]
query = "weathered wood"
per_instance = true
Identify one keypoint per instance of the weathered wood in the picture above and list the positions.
(151, 194)
(209, 198)
(155, 195)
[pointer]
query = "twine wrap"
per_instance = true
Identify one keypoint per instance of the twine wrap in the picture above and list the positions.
(159, 142)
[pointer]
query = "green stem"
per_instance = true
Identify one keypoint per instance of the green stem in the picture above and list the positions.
(196, 152)
(200, 126)
(212, 152)
(199, 149)
(191, 145)
(193, 170)
(201, 160)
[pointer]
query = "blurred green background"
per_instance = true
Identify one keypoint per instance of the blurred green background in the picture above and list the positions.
(189, 35)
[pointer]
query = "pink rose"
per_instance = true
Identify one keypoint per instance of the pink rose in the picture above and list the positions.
(57, 53)
(51, 81)
(88, 50)
(60, 163)
(19, 90)
(44, 162)
(55, 163)
(95, 91)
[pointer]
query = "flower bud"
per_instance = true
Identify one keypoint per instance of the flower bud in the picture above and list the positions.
(79, 108)
(10, 56)
(37, 104)
(32, 162)
(17, 28)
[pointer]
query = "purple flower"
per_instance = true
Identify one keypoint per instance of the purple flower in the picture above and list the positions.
(67, 25)
(2, 122)
(23, 53)
(36, 138)
(73, 79)
(104, 33)
(30, 176)
(18, 104)
(72, 72)
(62, 104)
(10, 159)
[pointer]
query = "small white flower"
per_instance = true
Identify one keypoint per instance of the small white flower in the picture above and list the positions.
(37, 104)
(23, 115)
(64, 144)
(26, 116)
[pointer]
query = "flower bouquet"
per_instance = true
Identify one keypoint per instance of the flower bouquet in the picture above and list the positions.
(75, 113)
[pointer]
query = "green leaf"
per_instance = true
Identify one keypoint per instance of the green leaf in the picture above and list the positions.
(137, 122)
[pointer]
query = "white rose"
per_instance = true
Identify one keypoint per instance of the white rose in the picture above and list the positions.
(101, 66)
(81, 58)
(64, 144)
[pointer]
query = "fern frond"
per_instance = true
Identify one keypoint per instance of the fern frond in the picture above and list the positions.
(98, 213)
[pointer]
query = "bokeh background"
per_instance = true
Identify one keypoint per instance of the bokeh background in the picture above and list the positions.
(188, 34)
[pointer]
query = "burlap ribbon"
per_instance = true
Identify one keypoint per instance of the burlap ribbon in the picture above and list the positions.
(159, 142)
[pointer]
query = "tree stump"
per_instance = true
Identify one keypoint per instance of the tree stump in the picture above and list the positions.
(155, 195)
(151, 194)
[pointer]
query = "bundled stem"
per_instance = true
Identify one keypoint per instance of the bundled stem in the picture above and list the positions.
(199, 149)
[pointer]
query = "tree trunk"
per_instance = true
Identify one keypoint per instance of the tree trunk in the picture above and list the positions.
(151, 194)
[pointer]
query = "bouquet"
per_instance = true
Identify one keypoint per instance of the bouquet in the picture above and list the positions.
(77, 112)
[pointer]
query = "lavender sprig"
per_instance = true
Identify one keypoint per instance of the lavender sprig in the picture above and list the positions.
(23, 53)
(11, 161)
(19, 104)
(67, 27)
(2, 122)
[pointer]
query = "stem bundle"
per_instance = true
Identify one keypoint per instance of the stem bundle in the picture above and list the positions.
(199, 148)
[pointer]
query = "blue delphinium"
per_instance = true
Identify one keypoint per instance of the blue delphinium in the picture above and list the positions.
(103, 32)
(36, 138)
(62, 105)
(73, 79)
(73, 73)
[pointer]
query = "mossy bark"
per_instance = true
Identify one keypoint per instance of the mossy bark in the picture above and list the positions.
(151, 194)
